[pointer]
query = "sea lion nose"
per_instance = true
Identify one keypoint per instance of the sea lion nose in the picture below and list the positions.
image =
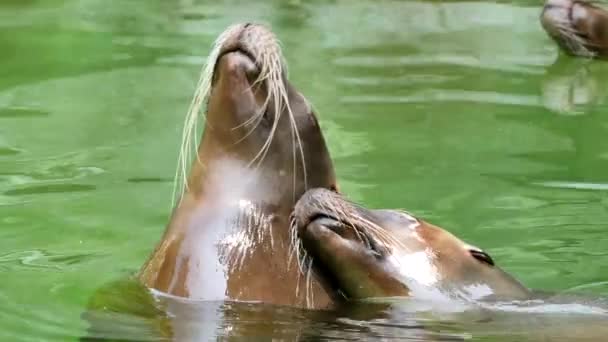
(238, 65)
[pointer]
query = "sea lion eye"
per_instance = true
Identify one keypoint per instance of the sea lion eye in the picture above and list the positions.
(481, 256)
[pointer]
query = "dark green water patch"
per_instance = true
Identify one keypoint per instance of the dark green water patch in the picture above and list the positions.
(149, 180)
(7, 151)
(21, 113)
(50, 189)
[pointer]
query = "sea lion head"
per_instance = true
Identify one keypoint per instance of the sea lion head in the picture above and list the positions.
(580, 28)
(254, 115)
(365, 253)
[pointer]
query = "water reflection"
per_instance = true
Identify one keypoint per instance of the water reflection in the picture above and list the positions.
(129, 312)
(573, 86)
(126, 311)
(457, 111)
(573, 90)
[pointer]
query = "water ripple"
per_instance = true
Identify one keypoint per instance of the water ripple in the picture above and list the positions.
(589, 286)
(401, 81)
(21, 112)
(436, 59)
(49, 189)
(573, 185)
(42, 259)
(8, 151)
(149, 180)
(444, 95)
(42, 323)
(183, 60)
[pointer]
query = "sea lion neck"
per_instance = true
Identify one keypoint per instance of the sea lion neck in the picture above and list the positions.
(229, 179)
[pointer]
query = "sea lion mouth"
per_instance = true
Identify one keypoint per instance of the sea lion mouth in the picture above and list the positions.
(238, 49)
(346, 230)
(248, 63)
(321, 216)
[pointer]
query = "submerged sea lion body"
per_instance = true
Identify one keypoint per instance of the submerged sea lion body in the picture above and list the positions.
(228, 237)
(367, 253)
(580, 28)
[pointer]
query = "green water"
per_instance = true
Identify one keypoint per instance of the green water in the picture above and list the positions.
(458, 112)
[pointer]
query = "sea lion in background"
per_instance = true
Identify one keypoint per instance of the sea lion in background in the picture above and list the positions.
(365, 253)
(580, 28)
(228, 237)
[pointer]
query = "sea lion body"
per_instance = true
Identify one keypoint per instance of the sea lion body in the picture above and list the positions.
(580, 28)
(228, 236)
(367, 253)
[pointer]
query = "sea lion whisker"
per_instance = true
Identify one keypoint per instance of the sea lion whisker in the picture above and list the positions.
(299, 251)
(259, 118)
(294, 241)
(264, 149)
(247, 122)
(276, 88)
(573, 39)
(294, 162)
(576, 44)
(309, 296)
(302, 263)
(360, 224)
(294, 130)
(189, 141)
(579, 37)
(352, 220)
(295, 246)
(355, 229)
(380, 234)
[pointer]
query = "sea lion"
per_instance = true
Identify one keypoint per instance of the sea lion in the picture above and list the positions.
(580, 28)
(365, 253)
(261, 148)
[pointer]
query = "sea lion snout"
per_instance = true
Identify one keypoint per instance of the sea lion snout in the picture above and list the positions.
(312, 205)
(238, 65)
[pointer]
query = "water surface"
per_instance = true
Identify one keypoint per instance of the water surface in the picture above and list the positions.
(460, 112)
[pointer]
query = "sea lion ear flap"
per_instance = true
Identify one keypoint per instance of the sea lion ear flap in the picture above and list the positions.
(480, 255)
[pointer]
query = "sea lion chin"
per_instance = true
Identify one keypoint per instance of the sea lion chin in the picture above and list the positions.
(580, 28)
(364, 253)
(261, 148)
